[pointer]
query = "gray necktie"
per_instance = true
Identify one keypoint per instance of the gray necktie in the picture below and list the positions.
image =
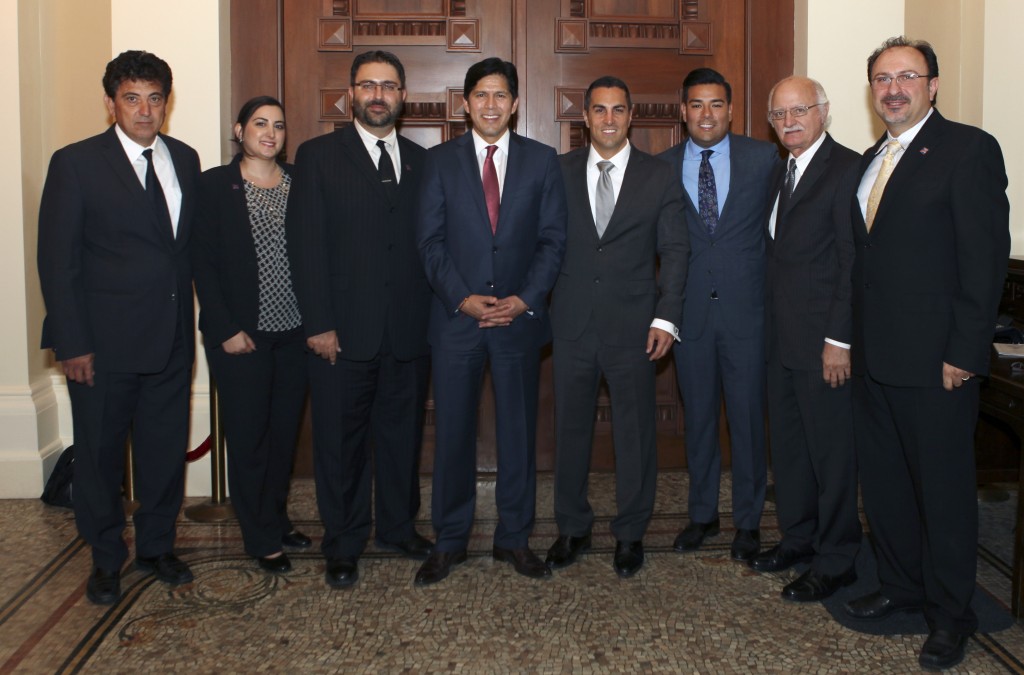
(604, 202)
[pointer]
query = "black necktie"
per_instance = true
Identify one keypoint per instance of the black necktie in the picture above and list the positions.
(386, 169)
(788, 186)
(707, 192)
(156, 193)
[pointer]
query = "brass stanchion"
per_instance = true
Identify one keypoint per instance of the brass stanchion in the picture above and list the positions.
(219, 507)
(128, 486)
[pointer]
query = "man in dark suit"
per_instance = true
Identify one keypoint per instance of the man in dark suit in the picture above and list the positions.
(728, 184)
(491, 233)
(364, 303)
(809, 326)
(114, 225)
(931, 228)
(613, 314)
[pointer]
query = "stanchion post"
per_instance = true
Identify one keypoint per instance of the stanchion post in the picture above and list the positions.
(219, 507)
(128, 484)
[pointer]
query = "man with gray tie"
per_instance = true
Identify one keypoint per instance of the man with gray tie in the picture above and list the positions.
(614, 315)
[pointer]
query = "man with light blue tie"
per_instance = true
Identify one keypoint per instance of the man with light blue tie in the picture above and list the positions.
(727, 180)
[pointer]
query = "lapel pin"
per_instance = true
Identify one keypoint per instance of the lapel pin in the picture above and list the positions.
(924, 151)
(234, 186)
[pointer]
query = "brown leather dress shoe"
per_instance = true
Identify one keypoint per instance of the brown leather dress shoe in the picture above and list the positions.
(437, 566)
(524, 560)
(566, 550)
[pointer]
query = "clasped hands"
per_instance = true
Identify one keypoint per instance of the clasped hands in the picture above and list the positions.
(492, 312)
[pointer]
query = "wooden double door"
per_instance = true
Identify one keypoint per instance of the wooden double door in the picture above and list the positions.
(302, 50)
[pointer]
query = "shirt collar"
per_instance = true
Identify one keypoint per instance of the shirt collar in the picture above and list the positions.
(133, 149)
(369, 140)
(480, 145)
(907, 137)
(618, 160)
(692, 150)
(807, 155)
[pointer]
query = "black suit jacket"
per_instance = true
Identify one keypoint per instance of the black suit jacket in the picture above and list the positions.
(115, 282)
(615, 278)
(224, 256)
(928, 278)
(353, 250)
(810, 260)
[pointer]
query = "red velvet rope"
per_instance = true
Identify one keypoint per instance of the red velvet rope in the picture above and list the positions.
(202, 449)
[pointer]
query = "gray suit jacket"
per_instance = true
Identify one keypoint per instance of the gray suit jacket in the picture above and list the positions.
(615, 278)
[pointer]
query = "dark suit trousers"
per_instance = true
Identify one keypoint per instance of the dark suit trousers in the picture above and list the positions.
(815, 469)
(704, 367)
(155, 408)
(458, 377)
(356, 403)
(915, 448)
(261, 399)
(578, 366)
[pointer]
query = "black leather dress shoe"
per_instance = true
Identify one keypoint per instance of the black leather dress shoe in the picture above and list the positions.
(415, 547)
(341, 572)
(296, 539)
(943, 649)
(437, 566)
(629, 558)
(566, 550)
(745, 545)
(694, 533)
(814, 587)
(524, 560)
(777, 559)
(876, 606)
(104, 587)
(167, 567)
(277, 564)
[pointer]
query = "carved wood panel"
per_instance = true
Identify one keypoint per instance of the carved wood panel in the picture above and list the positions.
(559, 47)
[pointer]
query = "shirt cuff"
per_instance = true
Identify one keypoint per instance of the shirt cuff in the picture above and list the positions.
(666, 326)
(837, 343)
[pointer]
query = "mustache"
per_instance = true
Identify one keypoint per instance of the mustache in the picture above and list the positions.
(896, 98)
(795, 127)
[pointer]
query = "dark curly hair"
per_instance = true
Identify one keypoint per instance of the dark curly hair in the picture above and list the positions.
(136, 65)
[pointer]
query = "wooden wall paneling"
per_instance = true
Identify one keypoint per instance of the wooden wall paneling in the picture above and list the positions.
(769, 58)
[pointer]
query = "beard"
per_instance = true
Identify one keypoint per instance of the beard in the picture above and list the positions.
(372, 119)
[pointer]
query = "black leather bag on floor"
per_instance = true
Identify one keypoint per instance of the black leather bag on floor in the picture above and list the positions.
(58, 487)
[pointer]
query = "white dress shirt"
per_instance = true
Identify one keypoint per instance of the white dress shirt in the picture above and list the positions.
(390, 142)
(162, 165)
(500, 157)
(867, 181)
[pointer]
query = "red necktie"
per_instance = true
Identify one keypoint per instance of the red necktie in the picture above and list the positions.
(491, 193)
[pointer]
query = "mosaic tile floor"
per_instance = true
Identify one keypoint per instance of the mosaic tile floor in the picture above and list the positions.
(698, 613)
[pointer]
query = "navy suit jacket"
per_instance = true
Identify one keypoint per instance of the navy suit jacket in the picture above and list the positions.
(928, 277)
(116, 282)
(732, 262)
(352, 247)
(810, 260)
(615, 278)
(461, 255)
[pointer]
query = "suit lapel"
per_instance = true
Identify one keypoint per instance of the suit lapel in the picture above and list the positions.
(513, 177)
(632, 185)
(405, 155)
(815, 170)
(188, 195)
(125, 172)
(913, 159)
(471, 173)
(578, 191)
(353, 146)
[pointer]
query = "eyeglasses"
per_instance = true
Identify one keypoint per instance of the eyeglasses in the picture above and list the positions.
(795, 111)
(369, 86)
(884, 80)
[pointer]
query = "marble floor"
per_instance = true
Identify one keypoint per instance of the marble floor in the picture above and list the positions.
(695, 613)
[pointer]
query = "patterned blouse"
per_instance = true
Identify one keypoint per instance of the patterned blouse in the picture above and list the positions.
(279, 310)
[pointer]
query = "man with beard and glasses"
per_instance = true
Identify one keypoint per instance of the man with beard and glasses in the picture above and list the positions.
(365, 303)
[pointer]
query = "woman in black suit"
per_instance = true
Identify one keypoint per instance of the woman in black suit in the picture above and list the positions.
(252, 328)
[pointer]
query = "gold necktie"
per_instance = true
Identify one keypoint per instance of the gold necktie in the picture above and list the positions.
(888, 162)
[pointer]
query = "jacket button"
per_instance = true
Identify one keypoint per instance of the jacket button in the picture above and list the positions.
(494, 250)
(490, 284)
